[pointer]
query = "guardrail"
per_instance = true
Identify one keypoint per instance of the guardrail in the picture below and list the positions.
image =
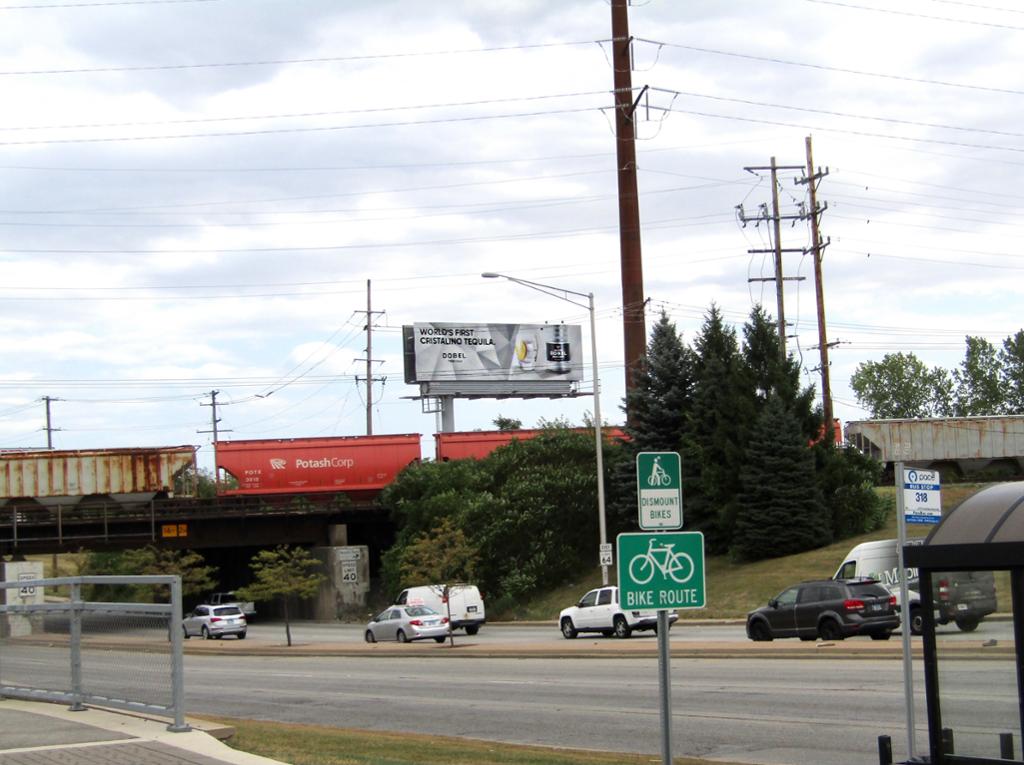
(46, 650)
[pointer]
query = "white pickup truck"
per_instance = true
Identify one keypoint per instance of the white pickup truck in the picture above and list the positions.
(230, 599)
(599, 611)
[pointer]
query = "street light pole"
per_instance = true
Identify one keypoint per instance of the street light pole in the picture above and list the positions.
(563, 294)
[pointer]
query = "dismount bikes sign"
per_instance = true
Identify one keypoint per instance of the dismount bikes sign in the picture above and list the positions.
(661, 571)
(659, 490)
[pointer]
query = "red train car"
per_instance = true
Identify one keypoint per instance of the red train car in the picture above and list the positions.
(477, 444)
(301, 465)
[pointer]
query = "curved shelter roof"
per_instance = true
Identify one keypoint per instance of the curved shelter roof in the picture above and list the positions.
(985, 531)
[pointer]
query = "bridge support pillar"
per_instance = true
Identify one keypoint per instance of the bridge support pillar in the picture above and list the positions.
(343, 592)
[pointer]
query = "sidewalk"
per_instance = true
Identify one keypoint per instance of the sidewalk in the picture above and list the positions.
(40, 733)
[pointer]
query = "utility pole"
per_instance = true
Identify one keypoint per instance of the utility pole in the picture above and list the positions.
(370, 379)
(818, 250)
(634, 325)
(214, 419)
(777, 249)
(49, 428)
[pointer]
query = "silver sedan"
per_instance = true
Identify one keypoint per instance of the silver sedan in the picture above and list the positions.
(405, 623)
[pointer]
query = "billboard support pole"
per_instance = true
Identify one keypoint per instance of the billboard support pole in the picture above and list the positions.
(447, 413)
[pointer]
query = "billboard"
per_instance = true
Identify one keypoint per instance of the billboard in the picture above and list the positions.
(439, 352)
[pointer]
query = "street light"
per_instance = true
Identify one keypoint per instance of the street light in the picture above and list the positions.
(563, 294)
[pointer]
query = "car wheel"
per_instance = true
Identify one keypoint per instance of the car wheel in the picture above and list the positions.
(206, 633)
(472, 629)
(184, 629)
(967, 623)
(402, 637)
(439, 640)
(829, 630)
(916, 621)
(369, 637)
(760, 632)
(241, 636)
(881, 635)
(622, 629)
(568, 630)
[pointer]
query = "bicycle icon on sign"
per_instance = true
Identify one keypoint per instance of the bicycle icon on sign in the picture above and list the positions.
(659, 476)
(677, 566)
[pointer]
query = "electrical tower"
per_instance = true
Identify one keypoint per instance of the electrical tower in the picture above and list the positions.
(811, 212)
(370, 361)
(777, 250)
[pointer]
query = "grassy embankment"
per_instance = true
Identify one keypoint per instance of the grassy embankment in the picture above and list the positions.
(733, 589)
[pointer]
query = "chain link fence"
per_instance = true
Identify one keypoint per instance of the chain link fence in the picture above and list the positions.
(112, 641)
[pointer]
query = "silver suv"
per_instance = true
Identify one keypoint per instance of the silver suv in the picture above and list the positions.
(215, 622)
(599, 611)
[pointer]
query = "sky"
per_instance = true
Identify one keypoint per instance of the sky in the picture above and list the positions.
(195, 193)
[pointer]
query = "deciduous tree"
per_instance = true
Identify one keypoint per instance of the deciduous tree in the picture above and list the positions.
(978, 391)
(284, 572)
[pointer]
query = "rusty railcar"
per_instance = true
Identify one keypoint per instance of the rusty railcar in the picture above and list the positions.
(138, 473)
(957, 444)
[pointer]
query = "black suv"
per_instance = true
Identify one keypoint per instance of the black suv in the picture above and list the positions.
(832, 609)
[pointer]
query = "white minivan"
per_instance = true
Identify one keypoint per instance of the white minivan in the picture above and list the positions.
(461, 603)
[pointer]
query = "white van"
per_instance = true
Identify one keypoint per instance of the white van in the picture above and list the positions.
(963, 597)
(462, 603)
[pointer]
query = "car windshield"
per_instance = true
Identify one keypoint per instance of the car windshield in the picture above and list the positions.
(420, 611)
(227, 611)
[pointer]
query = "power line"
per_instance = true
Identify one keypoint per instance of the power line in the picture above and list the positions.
(304, 115)
(281, 61)
(105, 3)
(840, 70)
(914, 15)
(845, 115)
(278, 131)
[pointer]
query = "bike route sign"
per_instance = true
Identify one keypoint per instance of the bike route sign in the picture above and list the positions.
(661, 571)
(659, 490)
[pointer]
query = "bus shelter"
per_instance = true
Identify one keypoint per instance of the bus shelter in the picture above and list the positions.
(983, 539)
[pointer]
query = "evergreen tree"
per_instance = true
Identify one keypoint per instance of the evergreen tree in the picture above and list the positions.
(658, 405)
(768, 373)
(780, 507)
(662, 391)
(715, 434)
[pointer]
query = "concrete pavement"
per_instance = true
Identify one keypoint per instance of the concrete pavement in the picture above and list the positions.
(41, 733)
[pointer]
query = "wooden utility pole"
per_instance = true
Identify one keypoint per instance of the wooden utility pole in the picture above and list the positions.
(780, 297)
(817, 249)
(634, 325)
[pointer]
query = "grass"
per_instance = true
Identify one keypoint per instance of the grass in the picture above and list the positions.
(301, 744)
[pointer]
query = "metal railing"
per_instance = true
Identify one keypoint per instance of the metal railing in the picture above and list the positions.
(80, 652)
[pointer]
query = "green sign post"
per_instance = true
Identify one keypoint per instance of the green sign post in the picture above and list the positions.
(661, 571)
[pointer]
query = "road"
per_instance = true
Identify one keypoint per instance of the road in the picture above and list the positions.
(333, 632)
(827, 711)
